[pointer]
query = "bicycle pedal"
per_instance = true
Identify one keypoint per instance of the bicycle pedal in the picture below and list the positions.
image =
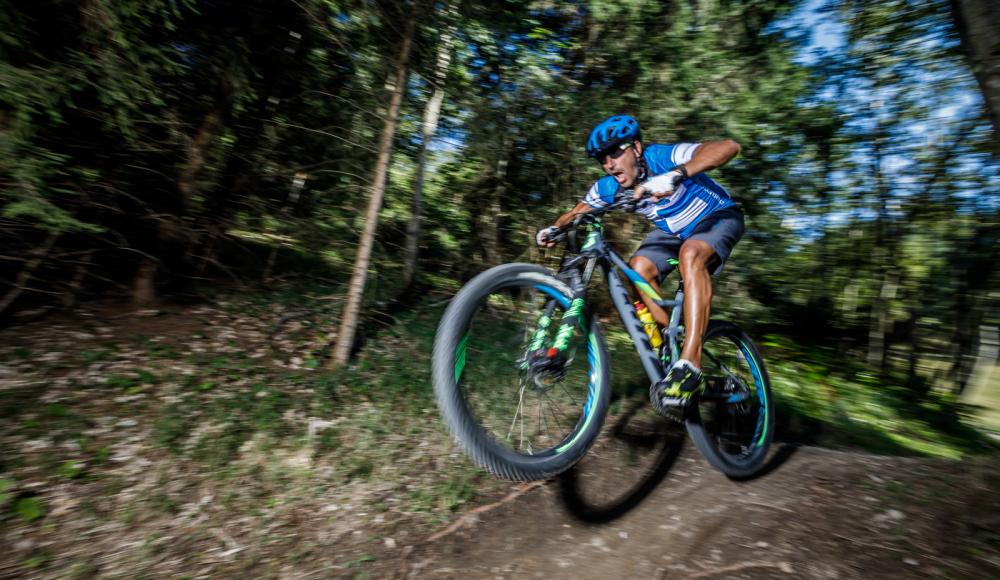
(670, 408)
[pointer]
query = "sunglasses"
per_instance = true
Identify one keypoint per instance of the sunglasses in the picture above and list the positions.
(614, 153)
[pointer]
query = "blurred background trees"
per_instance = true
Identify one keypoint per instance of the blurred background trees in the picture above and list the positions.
(148, 149)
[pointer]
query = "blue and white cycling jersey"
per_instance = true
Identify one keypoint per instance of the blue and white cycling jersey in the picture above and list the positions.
(679, 213)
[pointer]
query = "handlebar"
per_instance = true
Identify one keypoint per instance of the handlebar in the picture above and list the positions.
(624, 202)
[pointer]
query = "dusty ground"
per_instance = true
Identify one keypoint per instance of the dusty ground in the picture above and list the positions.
(643, 506)
(205, 442)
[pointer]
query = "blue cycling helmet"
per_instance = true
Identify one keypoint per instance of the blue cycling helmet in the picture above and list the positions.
(612, 131)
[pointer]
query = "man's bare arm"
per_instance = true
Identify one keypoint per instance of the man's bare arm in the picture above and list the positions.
(561, 221)
(567, 217)
(708, 155)
(712, 154)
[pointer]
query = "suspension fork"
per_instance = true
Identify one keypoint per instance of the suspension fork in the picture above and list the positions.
(541, 332)
(540, 355)
(538, 351)
(573, 316)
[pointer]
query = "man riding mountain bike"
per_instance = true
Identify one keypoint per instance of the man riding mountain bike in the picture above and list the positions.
(697, 224)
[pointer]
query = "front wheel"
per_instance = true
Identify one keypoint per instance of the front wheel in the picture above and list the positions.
(733, 423)
(515, 414)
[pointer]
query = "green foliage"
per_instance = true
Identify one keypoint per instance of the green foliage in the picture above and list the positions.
(238, 144)
(29, 509)
(49, 216)
(6, 485)
(171, 428)
(72, 469)
(37, 560)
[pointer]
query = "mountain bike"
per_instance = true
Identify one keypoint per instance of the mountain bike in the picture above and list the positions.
(522, 376)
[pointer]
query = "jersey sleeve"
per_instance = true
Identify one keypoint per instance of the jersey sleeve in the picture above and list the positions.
(602, 193)
(683, 152)
(663, 158)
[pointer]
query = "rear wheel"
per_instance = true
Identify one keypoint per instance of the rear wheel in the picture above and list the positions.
(733, 423)
(518, 415)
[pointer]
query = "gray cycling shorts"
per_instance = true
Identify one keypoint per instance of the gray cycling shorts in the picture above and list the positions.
(721, 230)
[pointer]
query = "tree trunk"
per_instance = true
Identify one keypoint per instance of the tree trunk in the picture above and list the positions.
(144, 284)
(38, 256)
(431, 114)
(985, 367)
(882, 253)
(285, 211)
(355, 292)
(489, 220)
(68, 298)
(881, 321)
(197, 149)
(976, 21)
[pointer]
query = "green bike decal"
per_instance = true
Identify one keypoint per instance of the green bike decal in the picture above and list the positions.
(592, 386)
(761, 392)
(568, 320)
(460, 356)
(538, 340)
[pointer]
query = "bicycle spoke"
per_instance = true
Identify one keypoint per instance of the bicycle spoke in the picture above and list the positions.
(714, 359)
(520, 403)
(562, 385)
(561, 418)
(508, 394)
(736, 431)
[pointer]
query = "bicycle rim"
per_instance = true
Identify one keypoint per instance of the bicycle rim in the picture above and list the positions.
(735, 423)
(530, 412)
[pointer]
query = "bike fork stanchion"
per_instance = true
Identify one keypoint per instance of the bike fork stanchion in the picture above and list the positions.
(570, 319)
(537, 343)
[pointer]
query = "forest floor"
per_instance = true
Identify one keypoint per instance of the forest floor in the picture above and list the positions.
(206, 441)
(662, 512)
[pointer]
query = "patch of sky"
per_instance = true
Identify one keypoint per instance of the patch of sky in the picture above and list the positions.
(417, 84)
(776, 190)
(815, 26)
(838, 218)
(448, 140)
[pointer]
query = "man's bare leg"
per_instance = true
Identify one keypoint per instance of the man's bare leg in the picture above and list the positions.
(694, 257)
(647, 269)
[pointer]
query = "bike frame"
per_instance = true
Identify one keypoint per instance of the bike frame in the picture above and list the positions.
(596, 252)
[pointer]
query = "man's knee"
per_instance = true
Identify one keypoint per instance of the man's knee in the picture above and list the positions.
(695, 254)
(644, 267)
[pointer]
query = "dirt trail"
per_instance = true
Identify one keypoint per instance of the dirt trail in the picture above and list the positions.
(644, 504)
(141, 446)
